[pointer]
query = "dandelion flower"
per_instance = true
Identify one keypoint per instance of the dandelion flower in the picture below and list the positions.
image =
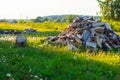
(75, 57)
(35, 76)
(8, 75)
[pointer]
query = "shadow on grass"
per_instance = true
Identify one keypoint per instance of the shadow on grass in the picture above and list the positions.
(38, 34)
(43, 34)
(26, 63)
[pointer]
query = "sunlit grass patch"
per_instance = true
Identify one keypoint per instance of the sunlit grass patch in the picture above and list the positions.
(118, 33)
(46, 26)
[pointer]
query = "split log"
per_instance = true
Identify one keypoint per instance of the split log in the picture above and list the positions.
(91, 44)
(21, 41)
(86, 36)
(99, 24)
(99, 41)
(71, 46)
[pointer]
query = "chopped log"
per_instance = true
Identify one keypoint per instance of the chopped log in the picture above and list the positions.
(98, 29)
(69, 34)
(21, 41)
(71, 46)
(99, 24)
(108, 46)
(79, 36)
(99, 41)
(1, 32)
(86, 36)
(52, 38)
(90, 21)
(115, 46)
(82, 29)
(107, 25)
(75, 25)
(91, 44)
(59, 41)
(78, 20)
(78, 40)
(30, 30)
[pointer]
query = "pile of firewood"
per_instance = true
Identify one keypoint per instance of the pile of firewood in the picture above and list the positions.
(88, 33)
(12, 31)
(30, 30)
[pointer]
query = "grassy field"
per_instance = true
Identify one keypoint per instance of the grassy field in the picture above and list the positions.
(39, 61)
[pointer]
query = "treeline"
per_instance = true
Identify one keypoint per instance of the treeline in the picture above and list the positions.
(39, 19)
(56, 18)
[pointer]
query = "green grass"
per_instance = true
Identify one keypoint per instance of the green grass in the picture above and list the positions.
(57, 63)
(46, 26)
(38, 61)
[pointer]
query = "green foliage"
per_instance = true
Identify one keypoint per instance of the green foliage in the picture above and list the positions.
(56, 18)
(115, 25)
(39, 19)
(21, 21)
(45, 19)
(70, 18)
(110, 9)
(3, 20)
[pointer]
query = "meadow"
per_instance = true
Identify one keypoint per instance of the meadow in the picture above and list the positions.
(41, 61)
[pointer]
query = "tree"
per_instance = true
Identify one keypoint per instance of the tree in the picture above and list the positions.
(39, 19)
(14, 21)
(3, 20)
(63, 19)
(70, 18)
(110, 9)
(45, 19)
(21, 21)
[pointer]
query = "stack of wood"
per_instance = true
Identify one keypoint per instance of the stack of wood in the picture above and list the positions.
(88, 33)
(11, 31)
(30, 30)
